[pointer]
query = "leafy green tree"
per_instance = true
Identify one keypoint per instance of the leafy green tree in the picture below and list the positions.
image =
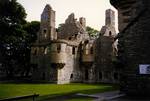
(31, 28)
(92, 32)
(12, 35)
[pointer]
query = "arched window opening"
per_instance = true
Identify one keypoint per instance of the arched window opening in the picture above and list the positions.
(110, 33)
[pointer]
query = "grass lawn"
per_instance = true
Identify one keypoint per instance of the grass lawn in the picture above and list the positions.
(51, 90)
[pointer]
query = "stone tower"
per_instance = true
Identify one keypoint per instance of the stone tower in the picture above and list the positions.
(109, 28)
(47, 28)
(40, 50)
(82, 21)
(110, 18)
(106, 51)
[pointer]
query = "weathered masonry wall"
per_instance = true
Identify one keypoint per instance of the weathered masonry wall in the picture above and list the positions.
(134, 44)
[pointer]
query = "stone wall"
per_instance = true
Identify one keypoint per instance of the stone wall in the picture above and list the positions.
(105, 53)
(133, 44)
(73, 29)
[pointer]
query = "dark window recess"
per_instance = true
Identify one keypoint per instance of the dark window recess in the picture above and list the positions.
(44, 31)
(91, 51)
(86, 74)
(116, 76)
(73, 50)
(110, 33)
(43, 76)
(100, 75)
(58, 48)
(71, 76)
(69, 38)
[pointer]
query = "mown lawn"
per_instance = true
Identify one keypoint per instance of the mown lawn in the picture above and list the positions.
(51, 90)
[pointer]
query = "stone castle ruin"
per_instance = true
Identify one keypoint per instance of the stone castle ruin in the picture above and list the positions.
(70, 55)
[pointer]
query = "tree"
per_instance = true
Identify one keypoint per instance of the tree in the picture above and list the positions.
(92, 32)
(31, 28)
(12, 35)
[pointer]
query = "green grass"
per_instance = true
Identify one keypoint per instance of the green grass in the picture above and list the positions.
(51, 90)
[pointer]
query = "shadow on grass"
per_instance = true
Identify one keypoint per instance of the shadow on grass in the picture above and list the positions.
(72, 95)
(59, 96)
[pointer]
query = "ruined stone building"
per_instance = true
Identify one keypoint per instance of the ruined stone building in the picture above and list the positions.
(133, 44)
(69, 55)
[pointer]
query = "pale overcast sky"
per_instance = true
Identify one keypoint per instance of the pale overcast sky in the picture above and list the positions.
(92, 10)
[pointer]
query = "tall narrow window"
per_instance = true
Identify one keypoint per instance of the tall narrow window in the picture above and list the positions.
(100, 75)
(58, 48)
(71, 76)
(86, 74)
(43, 76)
(73, 50)
(110, 33)
(91, 51)
(45, 33)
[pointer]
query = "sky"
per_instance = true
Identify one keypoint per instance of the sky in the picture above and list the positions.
(92, 10)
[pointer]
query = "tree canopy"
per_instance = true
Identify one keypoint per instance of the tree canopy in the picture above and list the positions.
(16, 36)
(92, 32)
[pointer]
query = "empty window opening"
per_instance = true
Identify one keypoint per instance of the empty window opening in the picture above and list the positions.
(91, 51)
(86, 74)
(100, 75)
(44, 31)
(69, 38)
(58, 48)
(71, 76)
(110, 33)
(73, 50)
